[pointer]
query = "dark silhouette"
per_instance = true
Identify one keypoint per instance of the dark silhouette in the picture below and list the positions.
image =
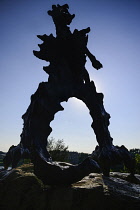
(68, 77)
(14, 155)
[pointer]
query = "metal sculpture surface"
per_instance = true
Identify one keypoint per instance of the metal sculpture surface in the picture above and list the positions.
(68, 77)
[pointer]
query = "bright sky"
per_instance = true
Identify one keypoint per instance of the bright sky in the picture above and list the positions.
(114, 40)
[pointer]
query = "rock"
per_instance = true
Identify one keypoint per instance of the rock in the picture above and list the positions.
(21, 189)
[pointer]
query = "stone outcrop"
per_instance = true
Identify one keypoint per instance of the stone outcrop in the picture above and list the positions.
(21, 189)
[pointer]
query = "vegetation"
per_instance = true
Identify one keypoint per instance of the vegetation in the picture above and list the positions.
(135, 151)
(136, 155)
(137, 159)
(57, 150)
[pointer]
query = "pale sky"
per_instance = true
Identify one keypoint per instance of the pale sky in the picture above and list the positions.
(114, 40)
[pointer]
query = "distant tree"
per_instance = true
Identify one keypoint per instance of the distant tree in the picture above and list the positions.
(57, 150)
(136, 154)
(137, 159)
(135, 151)
(121, 168)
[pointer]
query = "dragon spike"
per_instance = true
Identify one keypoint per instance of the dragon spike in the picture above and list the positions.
(53, 6)
(42, 37)
(66, 6)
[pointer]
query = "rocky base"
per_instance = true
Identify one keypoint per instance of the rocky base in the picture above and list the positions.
(21, 189)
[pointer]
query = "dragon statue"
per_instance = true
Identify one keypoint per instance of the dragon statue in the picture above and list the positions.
(66, 53)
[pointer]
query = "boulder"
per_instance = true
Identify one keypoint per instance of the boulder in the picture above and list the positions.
(21, 189)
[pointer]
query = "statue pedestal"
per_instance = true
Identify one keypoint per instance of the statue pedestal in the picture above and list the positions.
(23, 190)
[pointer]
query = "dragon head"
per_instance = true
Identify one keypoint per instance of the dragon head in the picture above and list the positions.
(61, 15)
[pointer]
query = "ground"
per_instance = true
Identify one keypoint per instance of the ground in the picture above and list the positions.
(23, 190)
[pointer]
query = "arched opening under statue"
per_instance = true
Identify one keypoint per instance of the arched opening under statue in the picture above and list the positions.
(73, 125)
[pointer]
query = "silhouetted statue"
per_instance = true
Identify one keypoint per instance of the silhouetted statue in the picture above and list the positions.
(68, 77)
